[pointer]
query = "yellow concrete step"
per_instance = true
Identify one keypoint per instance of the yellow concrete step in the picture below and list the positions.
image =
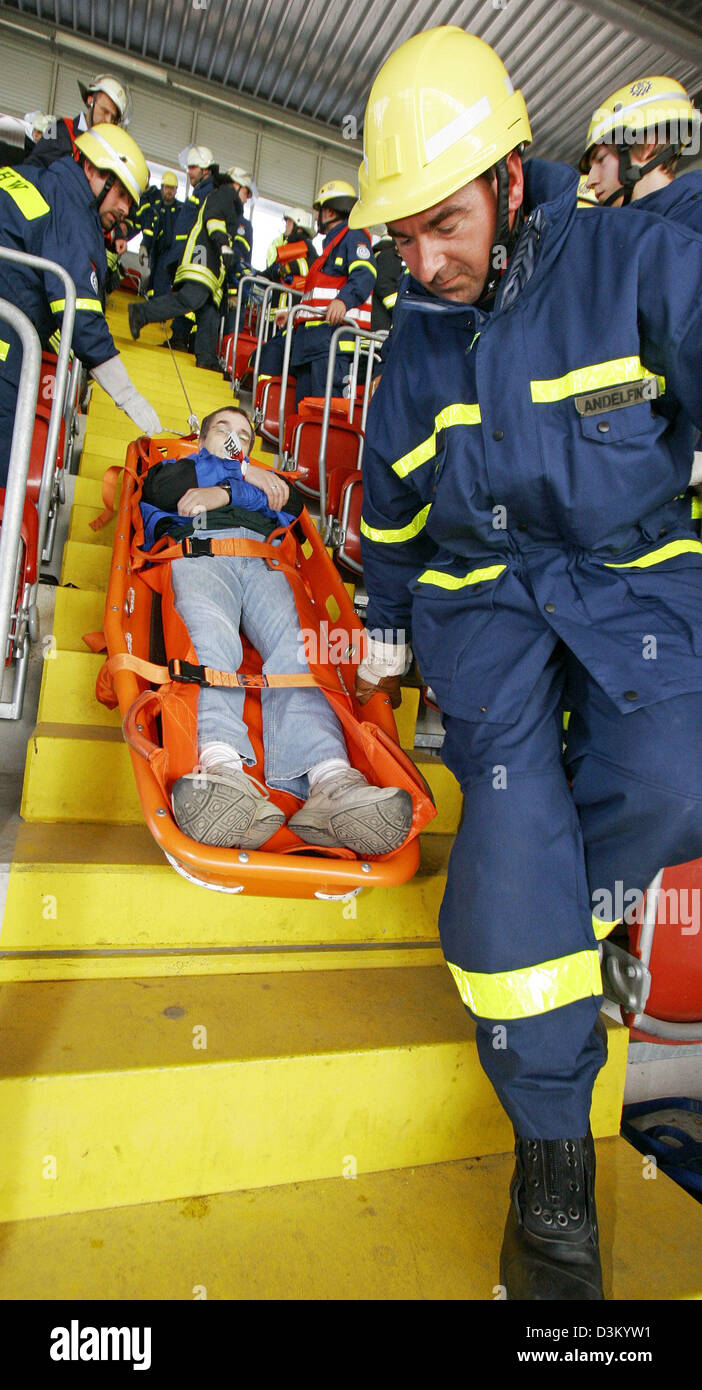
(79, 528)
(77, 611)
(69, 766)
(429, 1233)
(101, 900)
(67, 693)
(85, 565)
(123, 1091)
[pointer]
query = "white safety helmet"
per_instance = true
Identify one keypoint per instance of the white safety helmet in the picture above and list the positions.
(300, 218)
(243, 177)
(198, 155)
(112, 89)
(37, 120)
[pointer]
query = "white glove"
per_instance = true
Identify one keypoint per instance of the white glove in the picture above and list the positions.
(696, 474)
(116, 381)
(384, 659)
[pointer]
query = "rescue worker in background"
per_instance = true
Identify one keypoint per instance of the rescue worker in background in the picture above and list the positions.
(198, 160)
(115, 246)
(38, 125)
(296, 231)
(523, 518)
(390, 268)
(158, 227)
(62, 213)
(199, 280)
(633, 148)
(242, 245)
(658, 113)
(340, 283)
(107, 102)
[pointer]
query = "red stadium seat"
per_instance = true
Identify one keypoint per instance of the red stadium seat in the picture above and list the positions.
(267, 402)
(29, 554)
(673, 1010)
(303, 432)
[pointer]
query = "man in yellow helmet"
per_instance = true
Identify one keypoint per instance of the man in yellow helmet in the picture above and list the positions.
(339, 285)
(62, 213)
(525, 458)
(633, 147)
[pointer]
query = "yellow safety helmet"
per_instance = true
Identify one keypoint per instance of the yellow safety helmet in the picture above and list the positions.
(112, 88)
(109, 147)
(332, 191)
(442, 110)
(651, 108)
(169, 179)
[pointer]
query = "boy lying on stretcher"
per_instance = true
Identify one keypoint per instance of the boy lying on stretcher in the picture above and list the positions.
(216, 596)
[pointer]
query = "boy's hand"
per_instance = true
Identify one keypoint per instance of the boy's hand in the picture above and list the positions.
(202, 499)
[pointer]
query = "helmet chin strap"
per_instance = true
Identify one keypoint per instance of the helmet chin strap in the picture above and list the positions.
(99, 197)
(630, 173)
(506, 237)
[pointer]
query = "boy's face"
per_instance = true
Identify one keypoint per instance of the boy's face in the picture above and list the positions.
(227, 422)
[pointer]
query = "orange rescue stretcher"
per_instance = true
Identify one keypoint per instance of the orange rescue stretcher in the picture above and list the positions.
(152, 672)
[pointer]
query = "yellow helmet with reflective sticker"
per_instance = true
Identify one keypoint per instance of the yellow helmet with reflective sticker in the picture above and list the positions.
(333, 190)
(441, 111)
(110, 148)
(651, 108)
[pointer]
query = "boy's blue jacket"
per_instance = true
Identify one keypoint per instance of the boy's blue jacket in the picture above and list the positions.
(680, 200)
(167, 481)
(525, 468)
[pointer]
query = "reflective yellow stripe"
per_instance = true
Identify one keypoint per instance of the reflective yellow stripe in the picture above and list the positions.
(365, 265)
(93, 306)
(602, 929)
(696, 508)
(4, 349)
(450, 415)
(456, 581)
(215, 224)
(24, 194)
(389, 300)
(404, 533)
(593, 378)
(536, 989)
(655, 557)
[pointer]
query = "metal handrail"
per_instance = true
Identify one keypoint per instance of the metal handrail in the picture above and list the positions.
(61, 380)
(310, 311)
(20, 452)
(270, 287)
(360, 335)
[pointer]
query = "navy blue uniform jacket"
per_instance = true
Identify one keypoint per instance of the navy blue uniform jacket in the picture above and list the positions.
(525, 468)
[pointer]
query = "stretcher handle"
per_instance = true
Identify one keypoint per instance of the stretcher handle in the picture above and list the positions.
(133, 731)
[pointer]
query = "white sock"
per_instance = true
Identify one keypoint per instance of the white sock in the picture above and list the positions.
(330, 768)
(219, 755)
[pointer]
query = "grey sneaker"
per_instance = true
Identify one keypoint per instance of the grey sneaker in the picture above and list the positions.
(225, 808)
(348, 811)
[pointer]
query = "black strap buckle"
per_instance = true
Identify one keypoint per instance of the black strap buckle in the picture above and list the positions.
(197, 545)
(186, 672)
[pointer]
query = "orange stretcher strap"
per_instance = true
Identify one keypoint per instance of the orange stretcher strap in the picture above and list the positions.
(196, 546)
(187, 673)
(109, 488)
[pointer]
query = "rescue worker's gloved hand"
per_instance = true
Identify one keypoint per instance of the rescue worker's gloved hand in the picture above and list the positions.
(382, 669)
(227, 254)
(116, 381)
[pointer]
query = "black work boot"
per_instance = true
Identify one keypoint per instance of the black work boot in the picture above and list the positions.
(137, 319)
(550, 1249)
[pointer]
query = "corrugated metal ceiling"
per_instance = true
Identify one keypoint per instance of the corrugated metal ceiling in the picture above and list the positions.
(317, 58)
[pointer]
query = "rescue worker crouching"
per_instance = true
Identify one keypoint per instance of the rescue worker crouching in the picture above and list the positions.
(340, 283)
(523, 520)
(198, 283)
(62, 213)
(217, 595)
(107, 102)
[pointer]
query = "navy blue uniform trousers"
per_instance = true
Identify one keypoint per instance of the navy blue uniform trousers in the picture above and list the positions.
(543, 835)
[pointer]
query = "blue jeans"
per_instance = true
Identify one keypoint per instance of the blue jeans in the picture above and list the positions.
(216, 596)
